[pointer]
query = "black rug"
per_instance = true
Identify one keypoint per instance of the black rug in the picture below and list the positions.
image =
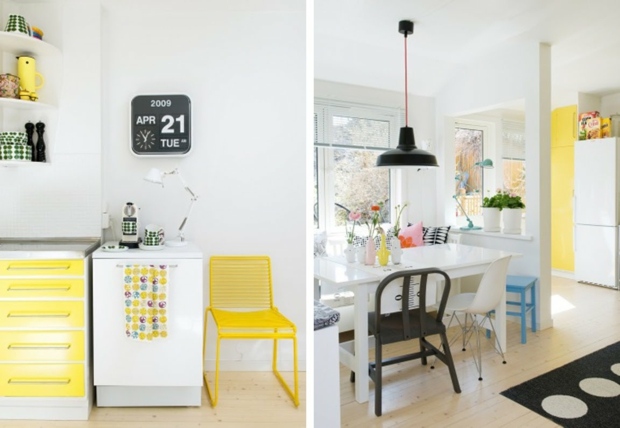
(584, 393)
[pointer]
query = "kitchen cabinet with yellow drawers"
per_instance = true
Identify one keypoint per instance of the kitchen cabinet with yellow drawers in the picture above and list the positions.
(45, 358)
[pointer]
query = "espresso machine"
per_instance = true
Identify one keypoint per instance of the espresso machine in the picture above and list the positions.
(129, 226)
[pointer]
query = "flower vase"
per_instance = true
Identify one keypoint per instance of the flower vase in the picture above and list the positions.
(396, 252)
(349, 253)
(512, 220)
(371, 251)
(360, 252)
(383, 254)
(491, 217)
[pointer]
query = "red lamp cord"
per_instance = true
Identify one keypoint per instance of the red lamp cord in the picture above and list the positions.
(406, 90)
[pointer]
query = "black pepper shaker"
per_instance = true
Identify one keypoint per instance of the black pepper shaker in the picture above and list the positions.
(30, 143)
(40, 142)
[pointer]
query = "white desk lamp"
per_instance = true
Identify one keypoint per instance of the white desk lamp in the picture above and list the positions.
(156, 175)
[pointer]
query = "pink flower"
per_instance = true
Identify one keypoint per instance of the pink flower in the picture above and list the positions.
(355, 216)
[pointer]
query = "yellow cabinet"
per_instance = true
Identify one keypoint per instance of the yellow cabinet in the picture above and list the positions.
(41, 267)
(42, 380)
(563, 136)
(564, 126)
(41, 288)
(37, 314)
(42, 345)
(44, 336)
(562, 175)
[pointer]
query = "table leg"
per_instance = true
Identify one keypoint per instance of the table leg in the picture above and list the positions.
(361, 343)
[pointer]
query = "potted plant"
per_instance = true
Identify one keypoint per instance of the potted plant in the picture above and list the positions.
(512, 212)
(510, 205)
(491, 210)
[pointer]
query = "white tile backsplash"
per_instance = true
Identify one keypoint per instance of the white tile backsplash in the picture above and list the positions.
(59, 199)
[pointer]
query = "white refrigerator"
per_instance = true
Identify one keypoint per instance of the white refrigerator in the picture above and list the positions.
(595, 210)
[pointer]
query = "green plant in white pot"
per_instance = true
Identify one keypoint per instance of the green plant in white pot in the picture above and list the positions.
(510, 205)
(491, 212)
(512, 212)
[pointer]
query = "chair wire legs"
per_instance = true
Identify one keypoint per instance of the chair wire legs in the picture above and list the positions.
(477, 327)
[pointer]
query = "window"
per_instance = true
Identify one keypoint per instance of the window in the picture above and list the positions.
(513, 157)
(473, 142)
(468, 178)
(348, 138)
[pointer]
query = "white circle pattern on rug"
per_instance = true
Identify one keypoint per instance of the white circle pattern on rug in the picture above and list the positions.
(600, 387)
(615, 368)
(564, 406)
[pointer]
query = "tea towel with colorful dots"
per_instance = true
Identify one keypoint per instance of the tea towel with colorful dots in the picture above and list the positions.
(146, 301)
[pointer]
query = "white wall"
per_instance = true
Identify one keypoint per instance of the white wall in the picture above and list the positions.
(242, 63)
(62, 197)
(517, 71)
(610, 104)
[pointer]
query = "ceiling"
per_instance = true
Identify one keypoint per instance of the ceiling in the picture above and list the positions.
(357, 41)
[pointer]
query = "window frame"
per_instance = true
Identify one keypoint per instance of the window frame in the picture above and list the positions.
(489, 141)
(324, 111)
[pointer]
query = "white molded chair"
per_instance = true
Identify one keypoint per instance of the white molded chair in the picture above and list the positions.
(478, 306)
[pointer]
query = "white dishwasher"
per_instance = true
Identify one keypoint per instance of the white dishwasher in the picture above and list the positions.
(163, 368)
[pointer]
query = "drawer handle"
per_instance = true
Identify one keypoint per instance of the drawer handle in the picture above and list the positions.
(27, 287)
(17, 346)
(38, 314)
(40, 381)
(27, 267)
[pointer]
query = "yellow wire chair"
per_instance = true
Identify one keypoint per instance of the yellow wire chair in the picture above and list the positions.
(241, 304)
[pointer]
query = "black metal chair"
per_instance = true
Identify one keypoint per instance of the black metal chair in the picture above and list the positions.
(414, 321)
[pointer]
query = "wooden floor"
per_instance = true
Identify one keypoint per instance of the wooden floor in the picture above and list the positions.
(247, 399)
(414, 395)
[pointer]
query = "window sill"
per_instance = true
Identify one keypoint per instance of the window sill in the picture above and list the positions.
(457, 229)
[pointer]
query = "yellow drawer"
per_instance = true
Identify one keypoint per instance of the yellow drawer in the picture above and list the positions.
(51, 314)
(41, 267)
(41, 287)
(41, 380)
(24, 346)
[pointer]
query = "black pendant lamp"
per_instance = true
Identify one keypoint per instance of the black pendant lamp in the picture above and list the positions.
(406, 154)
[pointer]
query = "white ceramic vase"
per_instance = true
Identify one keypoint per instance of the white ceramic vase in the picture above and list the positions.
(361, 254)
(349, 253)
(512, 220)
(491, 218)
(395, 251)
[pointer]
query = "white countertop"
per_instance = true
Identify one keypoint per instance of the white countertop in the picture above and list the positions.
(189, 251)
(47, 248)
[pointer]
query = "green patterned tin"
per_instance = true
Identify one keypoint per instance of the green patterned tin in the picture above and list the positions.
(15, 152)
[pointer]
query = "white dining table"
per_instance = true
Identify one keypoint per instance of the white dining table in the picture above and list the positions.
(457, 260)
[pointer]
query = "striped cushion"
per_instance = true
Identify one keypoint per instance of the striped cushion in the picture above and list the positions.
(436, 235)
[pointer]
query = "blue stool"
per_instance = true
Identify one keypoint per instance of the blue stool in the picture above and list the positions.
(520, 284)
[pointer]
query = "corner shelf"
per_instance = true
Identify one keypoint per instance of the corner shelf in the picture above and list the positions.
(21, 164)
(25, 45)
(18, 104)
(16, 111)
